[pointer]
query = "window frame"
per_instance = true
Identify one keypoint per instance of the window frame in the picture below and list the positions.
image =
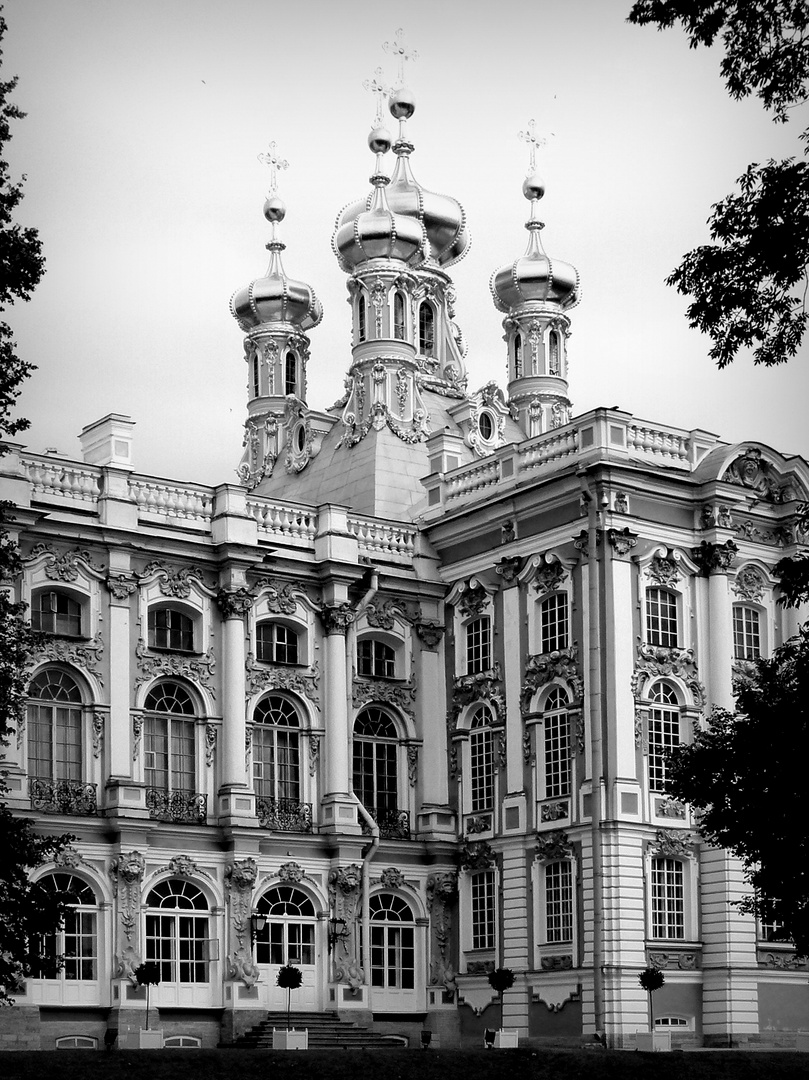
(180, 731)
(286, 782)
(561, 907)
(60, 767)
(70, 598)
(742, 650)
(664, 731)
(478, 654)
(554, 630)
(659, 624)
(483, 910)
(380, 761)
(382, 654)
(427, 336)
(668, 910)
(188, 634)
(276, 646)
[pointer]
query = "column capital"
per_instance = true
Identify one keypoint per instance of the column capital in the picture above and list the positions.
(337, 618)
(429, 634)
(621, 541)
(121, 586)
(234, 603)
(714, 558)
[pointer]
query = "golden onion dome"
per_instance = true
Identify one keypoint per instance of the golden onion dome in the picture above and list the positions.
(370, 229)
(535, 277)
(276, 298)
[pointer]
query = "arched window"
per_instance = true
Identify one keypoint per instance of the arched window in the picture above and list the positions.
(554, 622)
(399, 324)
(54, 727)
(558, 902)
(481, 761)
(170, 755)
(256, 388)
(518, 356)
(478, 645)
(668, 898)
(426, 329)
(362, 317)
(56, 613)
(177, 931)
(376, 770)
(557, 745)
(553, 353)
(288, 936)
(746, 632)
(393, 942)
(375, 659)
(291, 374)
(277, 755)
(171, 630)
(276, 643)
(76, 943)
(664, 731)
(661, 618)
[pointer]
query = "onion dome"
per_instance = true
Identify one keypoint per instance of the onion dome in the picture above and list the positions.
(376, 232)
(276, 298)
(535, 277)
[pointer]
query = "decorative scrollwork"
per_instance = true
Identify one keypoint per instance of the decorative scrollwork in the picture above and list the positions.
(554, 845)
(543, 668)
(197, 669)
(274, 677)
(87, 656)
(657, 661)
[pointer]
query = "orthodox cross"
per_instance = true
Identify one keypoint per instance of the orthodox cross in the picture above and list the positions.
(533, 141)
(275, 162)
(397, 49)
(380, 90)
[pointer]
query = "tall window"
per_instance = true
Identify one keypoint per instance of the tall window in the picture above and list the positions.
(362, 317)
(668, 899)
(76, 943)
(393, 942)
(169, 750)
(478, 645)
(255, 375)
(553, 353)
(276, 749)
(483, 909)
(664, 732)
(375, 761)
(276, 643)
(746, 632)
(399, 324)
(54, 727)
(661, 617)
(554, 622)
(518, 356)
(170, 629)
(289, 935)
(558, 902)
(481, 761)
(376, 659)
(177, 931)
(291, 374)
(426, 329)
(557, 745)
(56, 613)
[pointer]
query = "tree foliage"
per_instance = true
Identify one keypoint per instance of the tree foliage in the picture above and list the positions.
(749, 285)
(793, 571)
(746, 775)
(30, 912)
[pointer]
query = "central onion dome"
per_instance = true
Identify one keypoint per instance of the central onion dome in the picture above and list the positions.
(442, 218)
(535, 277)
(377, 232)
(276, 298)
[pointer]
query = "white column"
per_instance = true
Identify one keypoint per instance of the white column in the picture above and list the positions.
(121, 585)
(720, 641)
(339, 807)
(432, 716)
(512, 655)
(234, 605)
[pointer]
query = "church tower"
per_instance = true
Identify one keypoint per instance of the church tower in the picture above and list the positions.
(535, 293)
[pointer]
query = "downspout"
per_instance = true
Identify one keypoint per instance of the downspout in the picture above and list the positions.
(597, 748)
(351, 639)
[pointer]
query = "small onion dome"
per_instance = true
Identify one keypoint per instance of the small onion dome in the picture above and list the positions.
(276, 298)
(442, 216)
(376, 232)
(535, 277)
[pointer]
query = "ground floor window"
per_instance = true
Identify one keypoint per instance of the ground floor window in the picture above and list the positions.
(177, 932)
(393, 942)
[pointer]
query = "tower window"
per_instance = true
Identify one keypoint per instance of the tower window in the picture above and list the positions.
(255, 375)
(426, 329)
(291, 374)
(517, 356)
(399, 316)
(362, 313)
(553, 353)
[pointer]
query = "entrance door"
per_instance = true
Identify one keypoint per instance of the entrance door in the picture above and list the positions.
(393, 954)
(288, 938)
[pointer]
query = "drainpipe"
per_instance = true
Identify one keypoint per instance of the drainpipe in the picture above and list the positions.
(597, 748)
(351, 639)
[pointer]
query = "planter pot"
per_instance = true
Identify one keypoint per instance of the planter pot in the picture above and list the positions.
(149, 1039)
(802, 1041)
(290, 1040)
(505, 1037)
(654, 1040)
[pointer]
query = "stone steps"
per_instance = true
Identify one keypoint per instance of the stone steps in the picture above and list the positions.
(326, 1031)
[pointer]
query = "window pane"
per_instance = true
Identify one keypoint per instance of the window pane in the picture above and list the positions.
(664, 735)
(481, 762)
(557, 755)
(554, 622)
(478, 646)
(668, 905)
(558, 902)
(483, 910)
(661, 618)
(746, 633)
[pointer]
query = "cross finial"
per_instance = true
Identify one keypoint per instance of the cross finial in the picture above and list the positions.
(397, 49)
(533, 141)
(380, 90)
(275, 162)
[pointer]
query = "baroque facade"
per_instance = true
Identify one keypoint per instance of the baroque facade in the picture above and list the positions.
(394, 705)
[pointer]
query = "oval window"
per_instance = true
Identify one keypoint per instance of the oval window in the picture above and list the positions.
(300, 438)
(486, 426)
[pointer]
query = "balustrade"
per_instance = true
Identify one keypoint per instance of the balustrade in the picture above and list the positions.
(284, 520)
(180, 807)
(63, 797)
(284, 815)
(393, 824)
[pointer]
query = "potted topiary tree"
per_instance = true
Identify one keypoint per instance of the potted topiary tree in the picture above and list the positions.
(652, 979)
(289, 978)
(148, 975)
(500, 980)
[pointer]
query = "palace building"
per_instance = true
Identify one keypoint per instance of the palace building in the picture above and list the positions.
(394, 704)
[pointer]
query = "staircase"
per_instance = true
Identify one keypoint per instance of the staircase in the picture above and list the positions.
(326, 1032)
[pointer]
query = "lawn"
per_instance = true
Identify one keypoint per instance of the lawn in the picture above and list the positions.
(399, 1065)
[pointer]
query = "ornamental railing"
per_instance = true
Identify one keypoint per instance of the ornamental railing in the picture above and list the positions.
(63, 797)
(180, 807)
(393, 824)
(284, 815)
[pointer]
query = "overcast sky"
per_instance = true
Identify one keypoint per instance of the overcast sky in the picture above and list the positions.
(140, 146)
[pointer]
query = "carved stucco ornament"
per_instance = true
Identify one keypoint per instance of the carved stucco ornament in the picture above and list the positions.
(442, 896)
(199, 670)
(87, 657)
(240, 880)
(545, 667)
(658, 661)
(345, 896)
(234, 603)
(484, 686)
(553, 845)
(714, 557)
(621, 540)
(749, 583)
(673, 844)
(508, 568)
(277, 596)
(126, 872)
(401, 695)
(337, 618)
(430, 634)
(274, 677)
(64, 566)
(290, 871)
(174, 583)
(476, 855)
